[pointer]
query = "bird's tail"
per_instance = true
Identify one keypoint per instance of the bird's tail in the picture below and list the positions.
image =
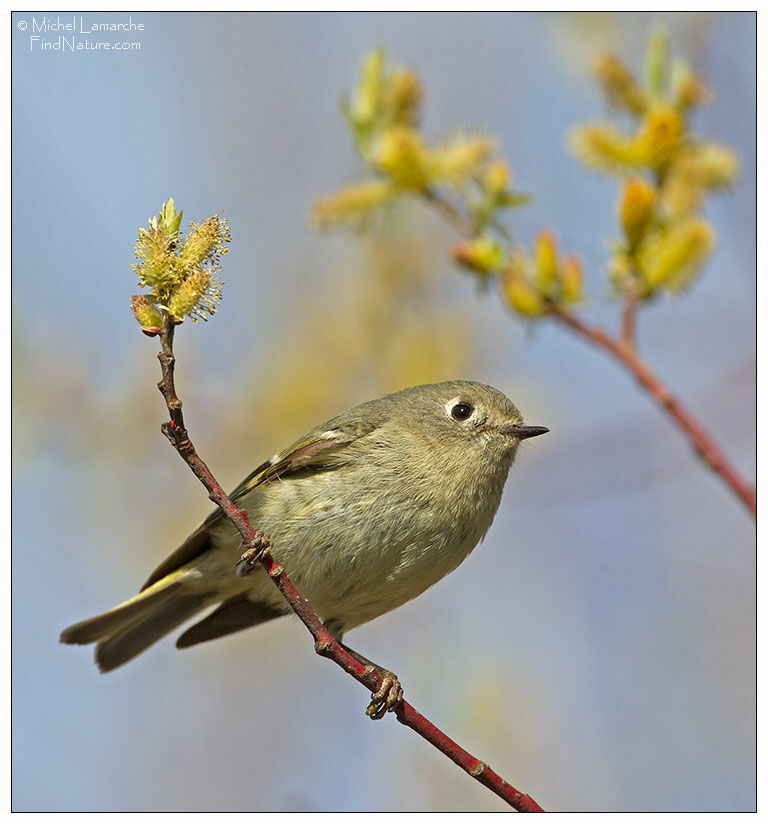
(131, 627)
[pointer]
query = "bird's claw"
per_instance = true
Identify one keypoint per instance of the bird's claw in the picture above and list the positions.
(250, 558)
(388, 696)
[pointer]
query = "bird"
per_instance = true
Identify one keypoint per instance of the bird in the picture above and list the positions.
(365, 512)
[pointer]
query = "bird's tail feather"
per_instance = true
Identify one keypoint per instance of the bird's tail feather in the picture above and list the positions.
(135, 638)
(131, 627)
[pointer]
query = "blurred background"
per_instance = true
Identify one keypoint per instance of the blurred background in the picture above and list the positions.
(597, 650)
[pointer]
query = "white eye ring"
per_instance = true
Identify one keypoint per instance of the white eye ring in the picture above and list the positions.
(451, 406)
(451, 403)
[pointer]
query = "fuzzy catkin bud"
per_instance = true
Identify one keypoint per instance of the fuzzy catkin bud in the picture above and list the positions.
(522, 297)
(353, 205)
(545, 262)
(636, 209)
(660, 137)
(691, 91)
(496, 178)
(571, 278)
(205, 242)
(719, 166)
(365, 103)
(404, 157)
(604, 147)
(698, 169)
(146, 313)
(462, 158)
(402, 98)
(673, 259)
(482, 254)
(187, 297)
(619, 86)
(156, 263)
(517, 288)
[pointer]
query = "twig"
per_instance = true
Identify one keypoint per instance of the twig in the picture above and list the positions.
(259, 545)
(629, 319)
(448, 211)
(703, 443)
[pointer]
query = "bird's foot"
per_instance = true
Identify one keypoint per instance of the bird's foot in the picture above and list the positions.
(251, 557)
(387, 698)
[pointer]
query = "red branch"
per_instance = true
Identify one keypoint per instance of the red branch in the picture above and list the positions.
(629, 319)
(258, 545)
(704, 444)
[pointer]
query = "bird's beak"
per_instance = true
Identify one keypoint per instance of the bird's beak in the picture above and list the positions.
(521, 431)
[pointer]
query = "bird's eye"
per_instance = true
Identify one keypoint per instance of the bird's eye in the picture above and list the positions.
(462, 411)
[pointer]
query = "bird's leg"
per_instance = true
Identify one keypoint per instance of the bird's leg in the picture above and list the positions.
(389, 695)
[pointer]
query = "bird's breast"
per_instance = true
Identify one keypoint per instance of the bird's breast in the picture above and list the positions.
(360, 543)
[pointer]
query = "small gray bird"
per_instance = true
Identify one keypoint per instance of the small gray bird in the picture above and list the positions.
(365, 512)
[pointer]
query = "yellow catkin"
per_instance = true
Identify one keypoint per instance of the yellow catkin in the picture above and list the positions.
(603, 147)
(462, 158)
(636, 209)
(192, 298)
(619, 86)
(545, 262)
(673, 259)
(352, 205)
(517, 289)
(660, 137)
(572, 279)
(483, 254)
(205, 242)
(404, 157)
(364, 106)
(156, 263)
(691, 91)
(523, 298)
(402, 98)
(719, 165)
(146, 313)
(496, 178)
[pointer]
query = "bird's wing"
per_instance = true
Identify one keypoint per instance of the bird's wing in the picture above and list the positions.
(316, 452)
(231, 616)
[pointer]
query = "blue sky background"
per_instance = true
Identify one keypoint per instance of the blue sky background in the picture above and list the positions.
(597, 650)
